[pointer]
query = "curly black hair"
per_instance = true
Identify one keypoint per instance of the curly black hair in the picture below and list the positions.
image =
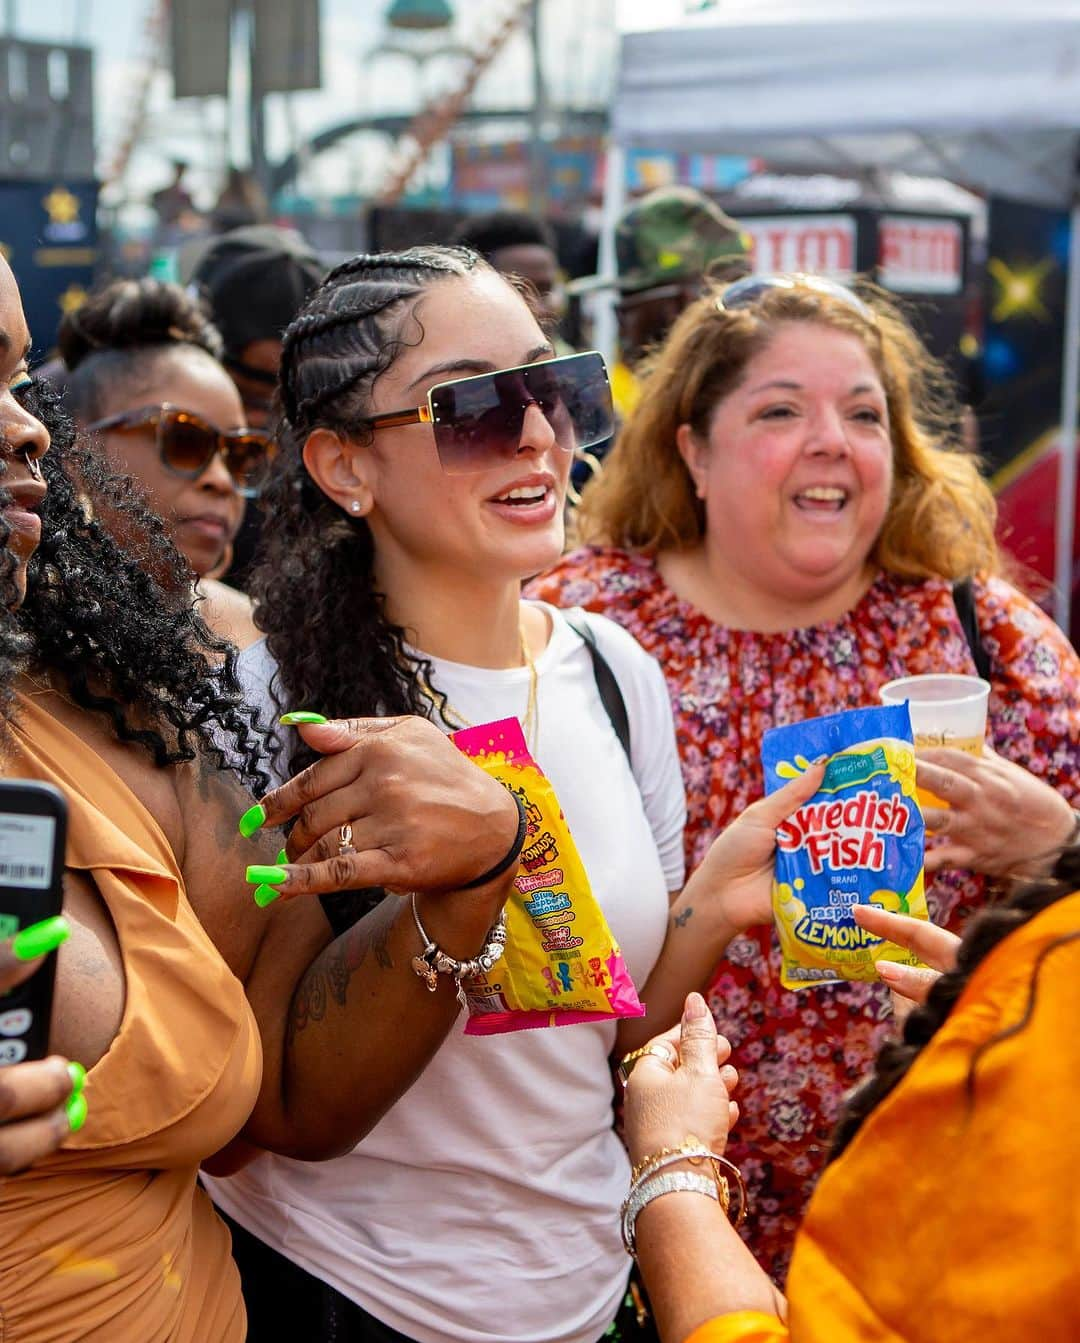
(314, 581)
(120, 330)
(343, 656)
(986, 931)
(116, 626)
(15, 645)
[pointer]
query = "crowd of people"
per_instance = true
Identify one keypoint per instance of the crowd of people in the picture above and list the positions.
(280, 1130)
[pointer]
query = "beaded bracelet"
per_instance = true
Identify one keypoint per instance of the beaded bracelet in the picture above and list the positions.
(433, 961)
(678, 1182)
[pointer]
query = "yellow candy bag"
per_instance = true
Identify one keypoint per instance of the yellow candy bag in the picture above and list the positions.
(561, 963)
(859, 840)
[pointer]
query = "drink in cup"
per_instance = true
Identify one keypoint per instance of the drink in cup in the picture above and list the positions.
(946, 710)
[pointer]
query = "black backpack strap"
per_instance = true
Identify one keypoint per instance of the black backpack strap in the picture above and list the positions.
(344, 908)
(968, 613)
(611, 697)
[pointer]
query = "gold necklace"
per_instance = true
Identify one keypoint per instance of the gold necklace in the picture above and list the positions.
(530, 723)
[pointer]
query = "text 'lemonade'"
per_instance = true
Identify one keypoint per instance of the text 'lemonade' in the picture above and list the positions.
(561, 964)
(858, 840)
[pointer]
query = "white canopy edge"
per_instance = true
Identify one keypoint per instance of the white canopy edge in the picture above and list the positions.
(993, 104)
(983, 92)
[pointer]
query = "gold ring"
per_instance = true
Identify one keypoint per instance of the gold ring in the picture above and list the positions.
(345, 844)
(657, 1050)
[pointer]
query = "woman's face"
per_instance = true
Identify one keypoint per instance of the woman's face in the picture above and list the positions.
(796, 473)
(23, 439)
(466, 524)
(204, 514)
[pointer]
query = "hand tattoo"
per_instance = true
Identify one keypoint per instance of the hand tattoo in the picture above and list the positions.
(681, 920)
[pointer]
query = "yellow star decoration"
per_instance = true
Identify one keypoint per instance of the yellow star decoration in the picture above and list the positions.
(1019, 291)
(73, 297)
(62, 206)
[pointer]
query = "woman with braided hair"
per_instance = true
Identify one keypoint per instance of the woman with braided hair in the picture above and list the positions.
(948, 1210)
(426, 441)
(193, 1011)
(146, 377)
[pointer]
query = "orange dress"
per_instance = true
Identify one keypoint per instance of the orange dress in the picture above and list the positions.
(111, 1239)
(954, 1216)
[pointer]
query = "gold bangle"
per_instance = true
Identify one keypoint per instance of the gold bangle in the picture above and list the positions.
(692, 1149)
(740, 1184)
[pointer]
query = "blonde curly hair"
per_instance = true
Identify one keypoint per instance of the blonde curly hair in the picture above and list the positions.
(941, 516)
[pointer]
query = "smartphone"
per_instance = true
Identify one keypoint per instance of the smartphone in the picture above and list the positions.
(33, 837)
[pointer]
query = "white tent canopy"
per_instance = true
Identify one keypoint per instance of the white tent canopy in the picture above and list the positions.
(985, 92)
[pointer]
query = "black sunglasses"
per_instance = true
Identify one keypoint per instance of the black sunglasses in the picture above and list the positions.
(187, 444)
(478, 421)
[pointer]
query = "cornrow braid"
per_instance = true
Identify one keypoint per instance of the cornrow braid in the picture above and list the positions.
(990, 928)
(356, 295)
(448, 260)
(314, 585)
(299, 330)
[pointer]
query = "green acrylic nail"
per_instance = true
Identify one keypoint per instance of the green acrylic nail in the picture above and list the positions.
(260, 872)
(298, 716)
(252, 819)
(265, 895)
(77, 1073)
(282, 858)
(40, 938)
(76, 1111)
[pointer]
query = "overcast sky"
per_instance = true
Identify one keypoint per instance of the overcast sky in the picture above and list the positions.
(578, 49)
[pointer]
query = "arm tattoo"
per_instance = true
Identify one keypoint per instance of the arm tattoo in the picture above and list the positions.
(220, 793)
(327, 978)
(681, 920)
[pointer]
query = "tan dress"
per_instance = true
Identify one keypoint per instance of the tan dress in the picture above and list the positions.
(111, 1239)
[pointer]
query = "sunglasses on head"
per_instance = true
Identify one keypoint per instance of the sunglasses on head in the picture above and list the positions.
(187, 444)
(746, 292)
(478, 421)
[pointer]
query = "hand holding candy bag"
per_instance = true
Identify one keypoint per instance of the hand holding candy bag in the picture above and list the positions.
(561, 963)
(858, 840)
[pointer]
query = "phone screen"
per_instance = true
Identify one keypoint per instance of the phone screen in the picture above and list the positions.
(33, 832)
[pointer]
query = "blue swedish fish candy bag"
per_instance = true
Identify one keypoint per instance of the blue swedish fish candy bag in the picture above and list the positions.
(859, 840)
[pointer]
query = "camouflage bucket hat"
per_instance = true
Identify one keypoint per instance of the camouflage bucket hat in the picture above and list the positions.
(672, 234)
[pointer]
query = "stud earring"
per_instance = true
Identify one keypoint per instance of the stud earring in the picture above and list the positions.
(354, 505)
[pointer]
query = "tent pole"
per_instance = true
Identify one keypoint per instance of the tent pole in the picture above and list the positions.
(604, 333)
(1070, 393)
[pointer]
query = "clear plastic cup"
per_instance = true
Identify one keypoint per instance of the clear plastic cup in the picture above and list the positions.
(946, 710)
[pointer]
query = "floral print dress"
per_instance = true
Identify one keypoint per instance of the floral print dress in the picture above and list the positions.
(798, 1054)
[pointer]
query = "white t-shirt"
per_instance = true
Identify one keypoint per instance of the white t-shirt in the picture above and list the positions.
(484, 1205)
